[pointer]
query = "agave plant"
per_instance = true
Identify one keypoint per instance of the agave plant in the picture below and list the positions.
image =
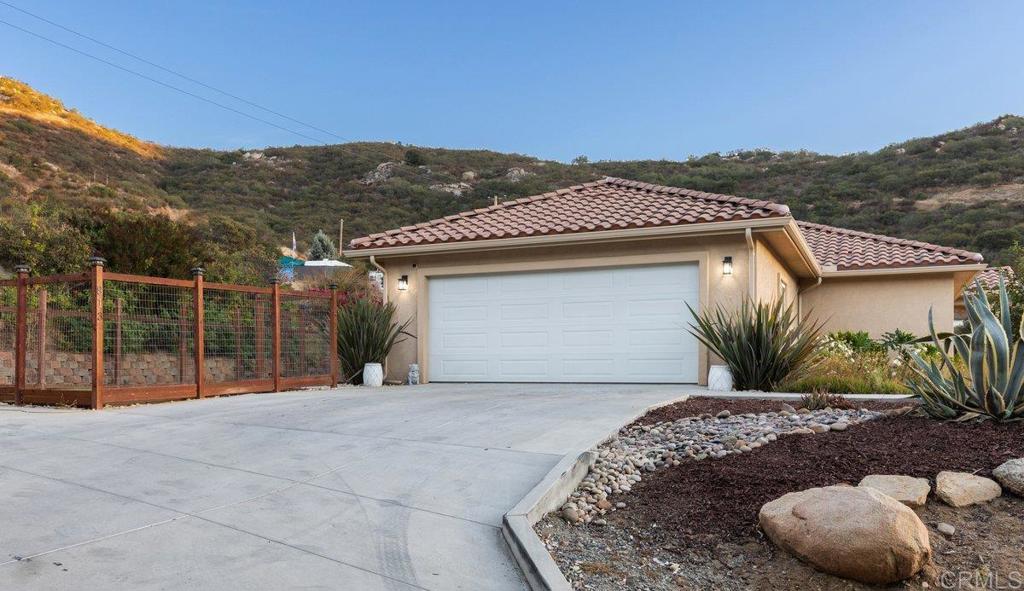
(367, 331)
(764, 344)
(989, 384)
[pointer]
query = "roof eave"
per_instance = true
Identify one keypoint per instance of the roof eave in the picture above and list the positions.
(704, 229)
(918, 270)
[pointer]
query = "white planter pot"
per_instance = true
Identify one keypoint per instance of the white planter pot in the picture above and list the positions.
(373, 375)
(720, 378)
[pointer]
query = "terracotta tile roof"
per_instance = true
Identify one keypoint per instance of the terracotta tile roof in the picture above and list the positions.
(613, 204)
(989, 278)
(608, 204)
(848, 250)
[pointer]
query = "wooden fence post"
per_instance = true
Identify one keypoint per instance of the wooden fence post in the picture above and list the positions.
(276, 343)
(200, 339)
(20, 333)
(96, 400)
(41, 339)
(334, 335)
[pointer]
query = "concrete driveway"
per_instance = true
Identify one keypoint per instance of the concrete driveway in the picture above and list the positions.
(354, 489)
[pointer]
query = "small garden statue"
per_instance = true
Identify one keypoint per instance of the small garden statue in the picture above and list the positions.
(414, 374)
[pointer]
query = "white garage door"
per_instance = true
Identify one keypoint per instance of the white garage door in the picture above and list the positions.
(598, 325)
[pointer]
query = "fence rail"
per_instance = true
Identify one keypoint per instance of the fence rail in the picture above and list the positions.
(97, 338)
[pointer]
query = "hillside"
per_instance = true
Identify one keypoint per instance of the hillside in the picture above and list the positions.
(964, 188)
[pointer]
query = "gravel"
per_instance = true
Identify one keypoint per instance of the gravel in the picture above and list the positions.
(641, 449)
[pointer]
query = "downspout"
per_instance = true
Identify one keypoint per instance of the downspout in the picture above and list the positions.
(384, 272)
(384, 296)
(752, 263)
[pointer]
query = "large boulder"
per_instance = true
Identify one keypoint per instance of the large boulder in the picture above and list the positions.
(1011, 475)
(912, 492)
(852, 532)
(961, 489)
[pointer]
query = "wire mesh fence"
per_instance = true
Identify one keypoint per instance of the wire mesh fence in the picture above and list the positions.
(305, 334)
(58, 331)
(238, 335)
(253, 339)
(148, 334)
(8, 327)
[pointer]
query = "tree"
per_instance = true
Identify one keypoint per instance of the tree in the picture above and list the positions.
(414, 158)
(322, 247)
(580, 160)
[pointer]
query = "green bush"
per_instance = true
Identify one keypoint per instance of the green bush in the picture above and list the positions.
(859, 341)
(367, 331)
(990, 383)
(764, 344)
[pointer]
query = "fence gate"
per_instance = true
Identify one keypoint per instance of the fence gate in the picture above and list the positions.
(98, 338)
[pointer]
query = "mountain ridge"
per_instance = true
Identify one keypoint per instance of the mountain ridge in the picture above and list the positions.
(961, 189)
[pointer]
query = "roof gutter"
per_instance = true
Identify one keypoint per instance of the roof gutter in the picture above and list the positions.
(833, 273)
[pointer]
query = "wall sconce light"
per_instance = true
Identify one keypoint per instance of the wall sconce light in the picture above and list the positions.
(727, 266)
(403, 283)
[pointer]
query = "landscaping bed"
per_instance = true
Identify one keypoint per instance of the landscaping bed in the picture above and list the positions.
(694, 525)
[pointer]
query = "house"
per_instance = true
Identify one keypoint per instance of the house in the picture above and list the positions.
(592, 283)
(989, 280)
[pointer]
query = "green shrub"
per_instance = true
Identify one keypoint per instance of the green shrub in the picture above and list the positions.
(764, 344)
(844, 371)
(991, 383)
(858, 341)
(367, 331)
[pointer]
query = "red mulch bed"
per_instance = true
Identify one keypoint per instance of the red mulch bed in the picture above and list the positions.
(694, 407)
(718, 500)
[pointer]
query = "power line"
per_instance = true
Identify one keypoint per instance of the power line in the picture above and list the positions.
(388, 157)
(160, 82)
(170, 71)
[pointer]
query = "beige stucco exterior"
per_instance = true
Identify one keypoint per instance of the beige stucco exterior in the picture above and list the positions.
(768, 262)
(708, 252)
(879, 304)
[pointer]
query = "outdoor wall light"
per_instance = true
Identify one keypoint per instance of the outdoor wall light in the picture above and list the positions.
(727, 266)
(403, 283)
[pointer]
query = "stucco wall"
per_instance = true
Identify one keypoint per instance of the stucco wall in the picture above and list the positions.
(882, 304)
(727, 290)
(771, 274)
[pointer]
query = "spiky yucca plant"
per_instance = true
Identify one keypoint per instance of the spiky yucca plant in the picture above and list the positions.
(764, 344)
(991, 384)
(367, 331)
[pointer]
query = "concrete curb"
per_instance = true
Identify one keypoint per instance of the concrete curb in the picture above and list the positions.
(538, 567)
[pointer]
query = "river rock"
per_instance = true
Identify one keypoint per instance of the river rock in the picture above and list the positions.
(1011, 475)
(912, 492)
(961, 489)
(852, 532)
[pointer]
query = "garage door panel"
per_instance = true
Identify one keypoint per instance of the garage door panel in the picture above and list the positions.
(470, 340)
(511, 339)
(524, 368)
(600, 310)
(588, 338)
(525, 311)
(454, 313)
(585, 368)
(597, 325)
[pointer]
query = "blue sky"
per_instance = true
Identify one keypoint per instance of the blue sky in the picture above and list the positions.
(612, 80)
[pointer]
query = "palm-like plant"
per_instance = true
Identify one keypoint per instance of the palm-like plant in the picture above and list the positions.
(990, 384)
(367, 331)
(764, 344)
